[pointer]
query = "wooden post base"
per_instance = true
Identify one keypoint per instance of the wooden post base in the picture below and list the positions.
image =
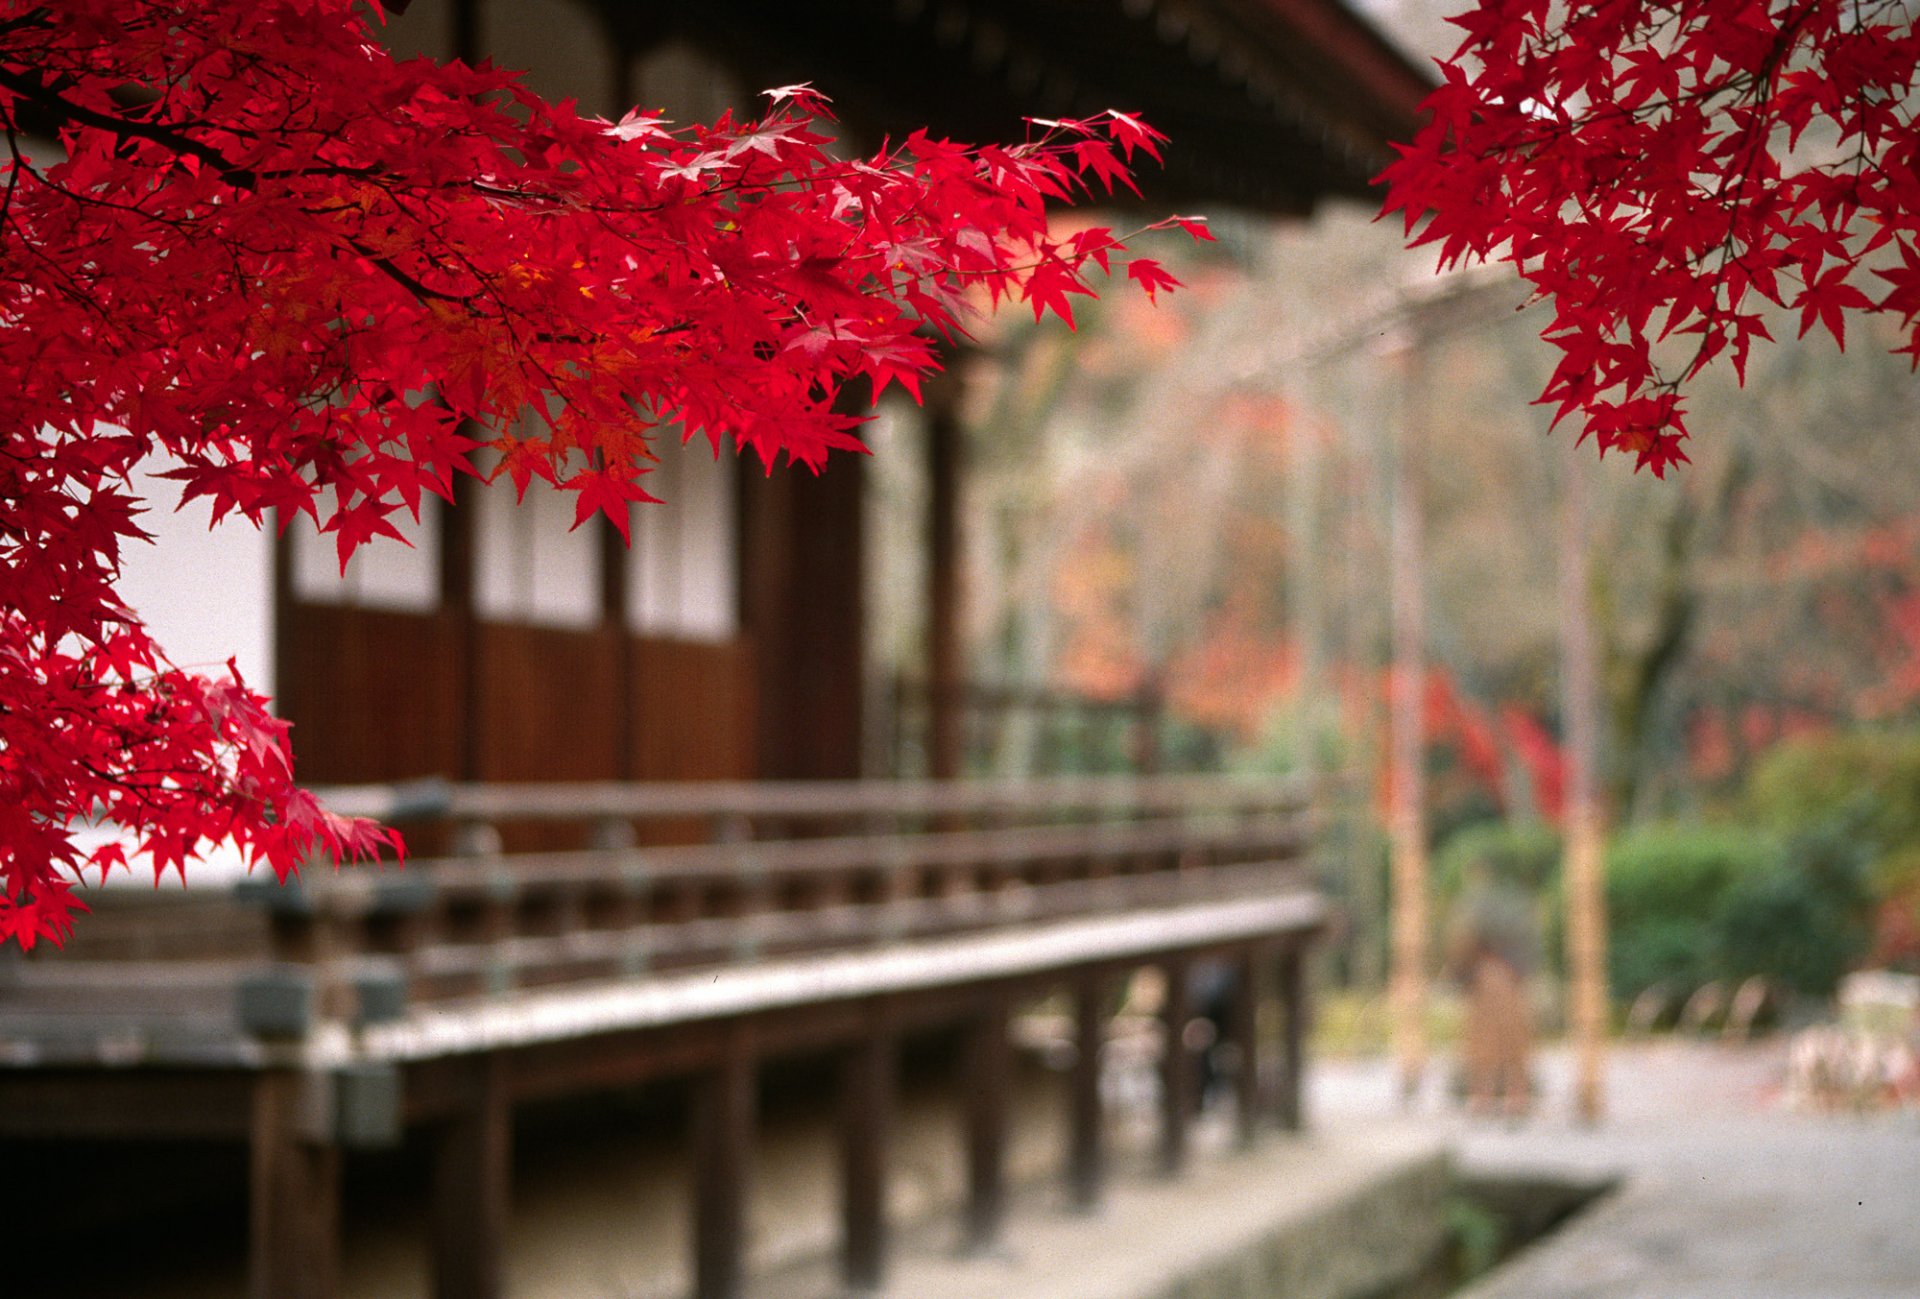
(723, 1135)
(867, 1086)
(294, 1242)
(472, 1179)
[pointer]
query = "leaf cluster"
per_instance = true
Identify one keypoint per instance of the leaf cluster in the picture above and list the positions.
(240, 237)
(1663, 172)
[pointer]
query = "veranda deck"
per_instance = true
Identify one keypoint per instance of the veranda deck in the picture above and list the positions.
(693, 930)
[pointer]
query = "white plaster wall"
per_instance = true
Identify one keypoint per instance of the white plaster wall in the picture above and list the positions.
(382, 574)
(682, 575)
(532, 567)
(207, 594)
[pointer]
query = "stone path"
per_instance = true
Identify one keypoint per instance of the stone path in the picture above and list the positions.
(1725, 1195)
(1341, 1211)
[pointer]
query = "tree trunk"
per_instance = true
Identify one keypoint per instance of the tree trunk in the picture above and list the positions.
(1407, 822)
(1586, 920)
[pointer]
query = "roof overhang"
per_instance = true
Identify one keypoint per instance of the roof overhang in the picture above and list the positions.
(1272, 105)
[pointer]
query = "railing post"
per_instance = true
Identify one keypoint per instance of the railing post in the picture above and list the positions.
(482, 842)
(867, 1084)
(294, 1214)
(1087, 1154)
(723, 1130)
(472, 1181)
(1293, 1039)
(1176, 1068)
(989, 1081)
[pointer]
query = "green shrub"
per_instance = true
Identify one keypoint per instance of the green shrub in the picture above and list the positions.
(1689, 904)
(1862, 788)
(1869, 780)
(1666, 890)
(1803, 919)
(1524, 855)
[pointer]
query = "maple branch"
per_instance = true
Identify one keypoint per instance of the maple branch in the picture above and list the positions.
(64, 110)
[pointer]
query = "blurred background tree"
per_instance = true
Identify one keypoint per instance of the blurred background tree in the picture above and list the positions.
(1180, 515)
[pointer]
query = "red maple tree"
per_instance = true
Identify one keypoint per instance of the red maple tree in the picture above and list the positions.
(1665, 172)
(241, 237)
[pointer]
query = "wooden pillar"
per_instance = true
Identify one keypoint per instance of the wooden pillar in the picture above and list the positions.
(1086, 1151)
(944, 673)
(1288, 1105)
(804, 543)
(472, 1179)
(723, 1129)
(867, 1087)
(989, 1084)
(294, 1214)
(1177, 1075)
(1243, 1030)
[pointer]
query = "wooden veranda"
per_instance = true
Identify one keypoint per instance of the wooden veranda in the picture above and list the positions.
(694, 931)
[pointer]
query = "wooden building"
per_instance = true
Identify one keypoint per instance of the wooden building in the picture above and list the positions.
(804, 909)
(728, 641)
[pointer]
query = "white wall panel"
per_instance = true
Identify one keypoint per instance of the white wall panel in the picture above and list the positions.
(206, 593)
(383, 574)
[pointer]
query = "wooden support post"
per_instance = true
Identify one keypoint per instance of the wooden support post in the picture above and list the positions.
(723, 1129)
(989, 1084)
(472, 1181)
(945, 739)
(1177, 1075)
(294, 1245)
(867, 1084)
(1243, 1030)
(1087, 1153)
(1293, 1040)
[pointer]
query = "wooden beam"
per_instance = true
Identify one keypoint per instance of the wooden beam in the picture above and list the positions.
(126, 1103)
(723, 1134)
(538, 1018)
(989, 1083)
(294, 1213)
(1177, 1078)
(1086, 1150)
(867, 1089)
(472, 1180)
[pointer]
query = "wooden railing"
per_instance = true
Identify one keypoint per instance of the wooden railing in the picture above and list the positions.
(926, 859)
(774, 869)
